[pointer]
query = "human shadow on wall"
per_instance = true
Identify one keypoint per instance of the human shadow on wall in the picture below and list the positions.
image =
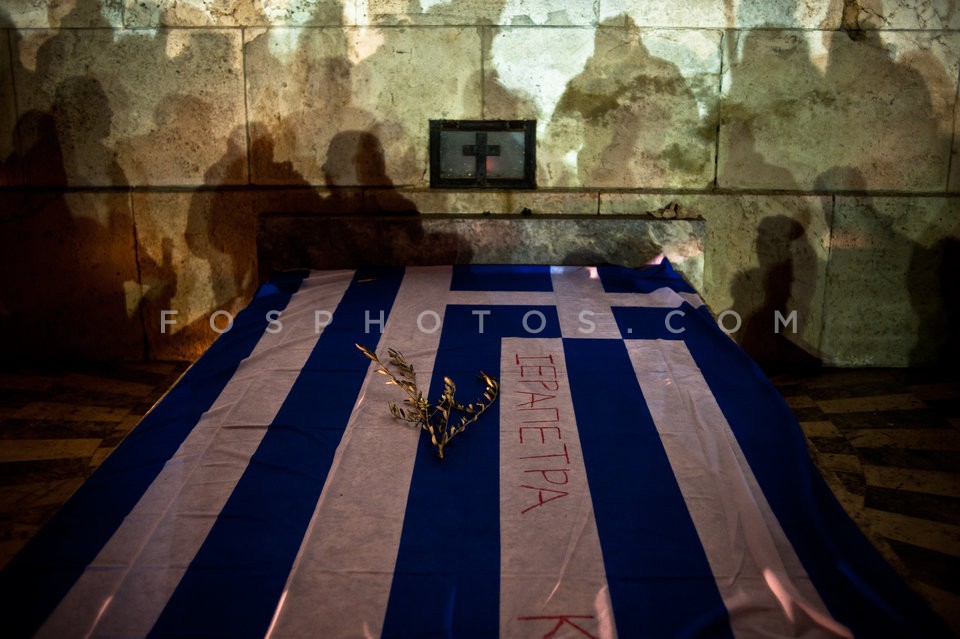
(832, 113)
(784, 283)
(377, 226)
(356, 159)
(779, 239)
(63, 266)
(76, 256)
(891, 275)
(10, 171)
(221, 233)
(947, 253)
(611, 104)
(935, 299)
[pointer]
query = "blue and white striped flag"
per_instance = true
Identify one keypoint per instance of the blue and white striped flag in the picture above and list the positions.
(638, 477)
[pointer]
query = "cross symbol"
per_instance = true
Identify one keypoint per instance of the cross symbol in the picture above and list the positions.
(481, 150)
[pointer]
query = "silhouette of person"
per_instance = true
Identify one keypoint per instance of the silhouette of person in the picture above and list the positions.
(69, 296)
(779, 241)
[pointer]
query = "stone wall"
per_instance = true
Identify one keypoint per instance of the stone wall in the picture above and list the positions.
(139, 140)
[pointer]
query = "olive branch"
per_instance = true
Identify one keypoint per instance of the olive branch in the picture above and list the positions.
(433, 419)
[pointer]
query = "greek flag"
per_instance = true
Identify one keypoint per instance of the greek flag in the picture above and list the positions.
(637, 477)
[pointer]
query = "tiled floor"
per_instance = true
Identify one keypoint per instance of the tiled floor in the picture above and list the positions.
(56, 425)
(887, 441)
(888, 444)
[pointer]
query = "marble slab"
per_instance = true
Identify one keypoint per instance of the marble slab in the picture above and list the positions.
(9, 159)
(764, 254)
(478, 201)
(72, 287)
(145, 107)
(822, 110)
(892, 291)
(617, 107)
(461, 12)
(54, 14)
(236, 13)
(908, 14)
(725, 14)
(312, 241)
(351, 107)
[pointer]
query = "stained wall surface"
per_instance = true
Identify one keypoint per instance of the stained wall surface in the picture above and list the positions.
(140, 139)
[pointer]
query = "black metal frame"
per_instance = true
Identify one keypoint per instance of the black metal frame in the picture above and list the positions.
(482, 127)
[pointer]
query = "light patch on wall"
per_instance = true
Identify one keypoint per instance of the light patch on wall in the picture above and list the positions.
(665, 13)
(30, 43)
(355, 12)
(570, 159)
(133, 295)
(279, 12)
(706, 14)
(694, 53)
(819, 49)
(195, 298)
(364, 42)
(426, 5)
(550, 12)
(178, 41)
(51, 14)
(125, 34)
(538, 63)
(283, 43)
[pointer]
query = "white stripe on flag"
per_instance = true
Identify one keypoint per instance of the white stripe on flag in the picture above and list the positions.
(581, 305)
(340, 582)
(551, 565)
(763, 585)
(584, 308)
(126, 587)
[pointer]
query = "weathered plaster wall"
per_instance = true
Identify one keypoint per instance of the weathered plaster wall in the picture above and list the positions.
(139, 139)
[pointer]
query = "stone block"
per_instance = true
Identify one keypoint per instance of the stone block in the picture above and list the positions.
(312, 241)
(953, 180)
(34, 14)
(145, 108)
(197, 255)
(479, 201)
(9, 158)
(351, 107)
(242, 13)
(71, 287)
(616, 107)
(762, 254)
(724, 14)
(476, 12)
(908, 14)
(892, 291)
(821, 110)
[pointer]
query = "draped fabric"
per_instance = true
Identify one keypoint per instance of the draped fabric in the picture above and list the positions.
(637, 477)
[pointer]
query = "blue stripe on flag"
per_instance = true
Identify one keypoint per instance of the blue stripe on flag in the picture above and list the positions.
(35, 581)
(232, 586)
(492, 277)
(447, 577)
(661, 584)
(620, 279)
(858, 587)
